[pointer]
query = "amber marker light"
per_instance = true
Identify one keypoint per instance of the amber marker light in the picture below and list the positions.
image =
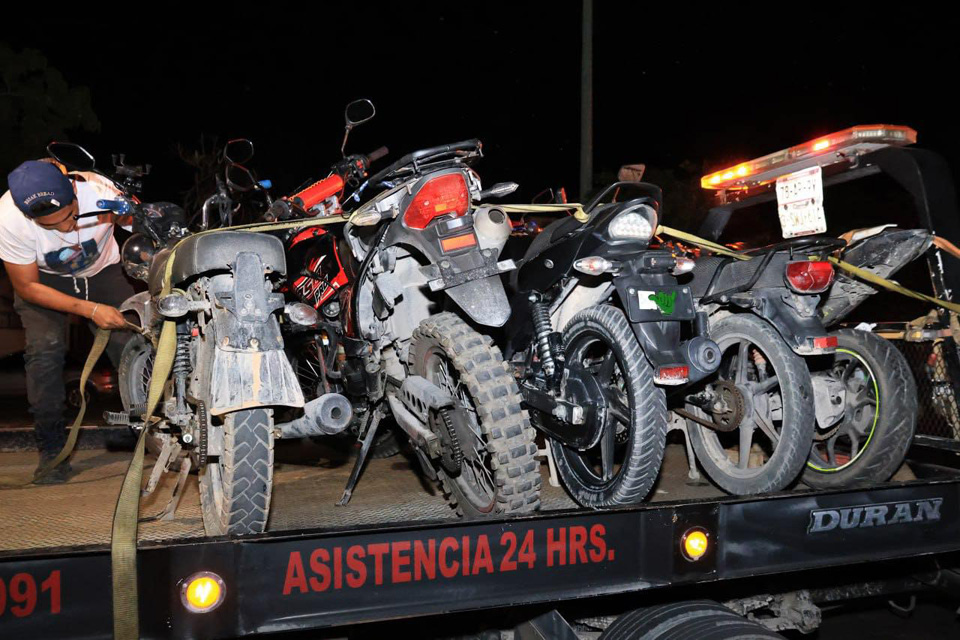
(203, 592)
(694, 544)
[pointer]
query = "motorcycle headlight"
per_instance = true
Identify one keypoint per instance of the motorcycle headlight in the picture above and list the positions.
(137, 253)
(637, 223)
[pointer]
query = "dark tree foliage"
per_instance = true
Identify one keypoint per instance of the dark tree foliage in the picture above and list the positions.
(37, 105)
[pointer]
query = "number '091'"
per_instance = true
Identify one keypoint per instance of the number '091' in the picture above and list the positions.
(19, 594)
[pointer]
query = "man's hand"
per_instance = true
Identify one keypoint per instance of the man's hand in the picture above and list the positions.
(107, 317)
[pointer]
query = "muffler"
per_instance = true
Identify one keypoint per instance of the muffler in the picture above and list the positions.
(327, 415)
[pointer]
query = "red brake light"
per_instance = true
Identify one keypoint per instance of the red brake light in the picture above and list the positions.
(672, 375)
(827, 342)
(439, 197)
(809, 276)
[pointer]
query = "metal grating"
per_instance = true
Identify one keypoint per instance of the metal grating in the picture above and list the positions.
(937, 386)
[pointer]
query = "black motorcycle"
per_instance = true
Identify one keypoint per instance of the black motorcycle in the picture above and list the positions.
(599, 327)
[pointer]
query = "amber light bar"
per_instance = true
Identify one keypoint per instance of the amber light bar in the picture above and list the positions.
(822, 151)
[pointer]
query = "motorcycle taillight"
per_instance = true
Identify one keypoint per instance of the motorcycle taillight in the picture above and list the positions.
(440, 196)
(809, 276)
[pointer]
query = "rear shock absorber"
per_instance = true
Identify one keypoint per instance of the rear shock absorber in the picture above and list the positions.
(542, 330)
(181, 369)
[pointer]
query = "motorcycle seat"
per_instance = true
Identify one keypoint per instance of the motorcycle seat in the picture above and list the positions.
(735, 273)
(207, 252)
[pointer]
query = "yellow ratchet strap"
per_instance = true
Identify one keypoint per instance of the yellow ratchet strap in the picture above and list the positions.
(123, 541)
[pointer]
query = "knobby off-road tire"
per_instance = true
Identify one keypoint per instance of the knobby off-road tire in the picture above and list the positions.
(604, 330)
(890, 393)
(235, 488)
(700, 619)
(483, 385)
(796, 429)
(136, 364)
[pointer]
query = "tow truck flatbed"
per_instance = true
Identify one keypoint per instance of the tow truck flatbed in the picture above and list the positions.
(398, 551)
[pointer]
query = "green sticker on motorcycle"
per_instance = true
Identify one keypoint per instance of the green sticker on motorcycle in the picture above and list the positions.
(666, 302)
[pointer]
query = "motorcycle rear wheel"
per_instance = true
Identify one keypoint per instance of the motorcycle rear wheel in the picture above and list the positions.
(235, 487)
(869, 443)
(499, 473)
(769, 445)
(623, 466)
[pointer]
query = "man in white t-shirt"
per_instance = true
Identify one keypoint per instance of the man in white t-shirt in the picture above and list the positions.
(59, 265)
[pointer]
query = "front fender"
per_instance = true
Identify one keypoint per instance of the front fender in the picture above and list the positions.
(142, 305)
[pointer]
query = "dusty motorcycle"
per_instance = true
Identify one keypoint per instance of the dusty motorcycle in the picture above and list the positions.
(229, 368)
(599, 327)
(400, 288)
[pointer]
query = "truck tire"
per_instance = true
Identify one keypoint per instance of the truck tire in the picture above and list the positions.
(603, 332)
(701, 619)
(879, 419)
(235, 487)
(502, 474)
(789, 401)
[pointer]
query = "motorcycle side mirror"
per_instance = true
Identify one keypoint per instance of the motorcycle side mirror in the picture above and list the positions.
(356, 113)
(239, 178)
(238, 150)
(631, 173)
(72, 156)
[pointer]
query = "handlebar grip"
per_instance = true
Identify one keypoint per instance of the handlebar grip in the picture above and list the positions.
(118, 206)
(319, 191)
(377, 154)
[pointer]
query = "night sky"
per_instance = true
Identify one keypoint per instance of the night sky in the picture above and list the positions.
(684, 92)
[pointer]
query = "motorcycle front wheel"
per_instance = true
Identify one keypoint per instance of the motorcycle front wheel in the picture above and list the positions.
(133, 377)
(235, 486)
(623, 466)
(498, 473)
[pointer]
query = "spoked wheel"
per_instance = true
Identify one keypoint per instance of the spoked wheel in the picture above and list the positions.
(136, 365)
(488, 465)
(762, 404)
(623, 465)
(235, 486)
(309, 359)
(880, 407)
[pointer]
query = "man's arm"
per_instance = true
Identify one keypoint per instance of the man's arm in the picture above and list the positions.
(26, 282)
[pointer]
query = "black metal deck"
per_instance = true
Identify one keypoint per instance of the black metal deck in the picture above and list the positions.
(397, 550)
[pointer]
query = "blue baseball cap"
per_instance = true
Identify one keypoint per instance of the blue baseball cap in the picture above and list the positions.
(40, 188)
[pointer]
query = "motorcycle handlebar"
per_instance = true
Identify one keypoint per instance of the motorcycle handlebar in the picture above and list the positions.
(376, 155)
(118, 206)
(416, 156)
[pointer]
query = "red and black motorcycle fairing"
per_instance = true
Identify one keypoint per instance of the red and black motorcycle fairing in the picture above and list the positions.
(316, 269)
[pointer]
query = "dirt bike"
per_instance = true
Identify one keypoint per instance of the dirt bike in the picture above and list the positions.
(399, 289)
(599, 327)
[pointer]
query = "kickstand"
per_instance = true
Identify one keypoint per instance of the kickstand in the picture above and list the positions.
(167, 453)
(679, 423)
(170, 510)
(547, 452)
(373, 422)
